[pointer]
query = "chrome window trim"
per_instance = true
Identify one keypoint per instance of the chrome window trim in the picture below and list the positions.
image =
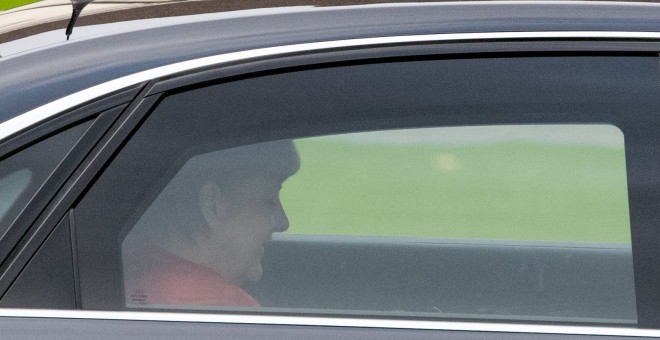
(330, 322)
(53, 108)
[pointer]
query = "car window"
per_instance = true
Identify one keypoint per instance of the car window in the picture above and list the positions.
(450, 189)
(13, 185)
(23, 172)
(543, 190)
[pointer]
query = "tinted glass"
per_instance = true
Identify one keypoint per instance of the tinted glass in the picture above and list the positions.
(474, 188)
(22, 173)
(12, 186)
(518, 198)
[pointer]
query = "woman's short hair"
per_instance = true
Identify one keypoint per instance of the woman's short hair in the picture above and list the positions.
(176, 210)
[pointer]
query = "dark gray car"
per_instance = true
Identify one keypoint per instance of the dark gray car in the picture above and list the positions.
(430, 170)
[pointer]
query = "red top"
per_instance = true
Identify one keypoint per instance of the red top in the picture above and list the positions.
(158, 277)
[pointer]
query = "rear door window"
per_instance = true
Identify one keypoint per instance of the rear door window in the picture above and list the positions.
(480, 221)
(480, 189)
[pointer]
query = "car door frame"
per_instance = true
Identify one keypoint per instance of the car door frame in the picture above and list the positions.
(306, 55)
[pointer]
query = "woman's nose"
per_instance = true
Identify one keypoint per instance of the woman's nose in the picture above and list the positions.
(281, 222)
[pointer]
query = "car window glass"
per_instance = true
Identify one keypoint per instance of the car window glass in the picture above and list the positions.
(540, 189)
(474, 189)
(22, 173)
(12, 186)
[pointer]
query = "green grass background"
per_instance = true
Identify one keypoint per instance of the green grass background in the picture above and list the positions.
(512, 190)
(9, 4)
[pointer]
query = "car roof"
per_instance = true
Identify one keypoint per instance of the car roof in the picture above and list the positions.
(47, 68)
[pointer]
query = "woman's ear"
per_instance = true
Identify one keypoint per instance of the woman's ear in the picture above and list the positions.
(213, 203)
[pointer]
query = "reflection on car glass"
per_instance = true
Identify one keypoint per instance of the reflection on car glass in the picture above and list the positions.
(23, 173)
(11, 186)
(518, 182)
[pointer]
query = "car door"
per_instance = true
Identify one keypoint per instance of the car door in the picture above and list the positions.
(436, 190)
